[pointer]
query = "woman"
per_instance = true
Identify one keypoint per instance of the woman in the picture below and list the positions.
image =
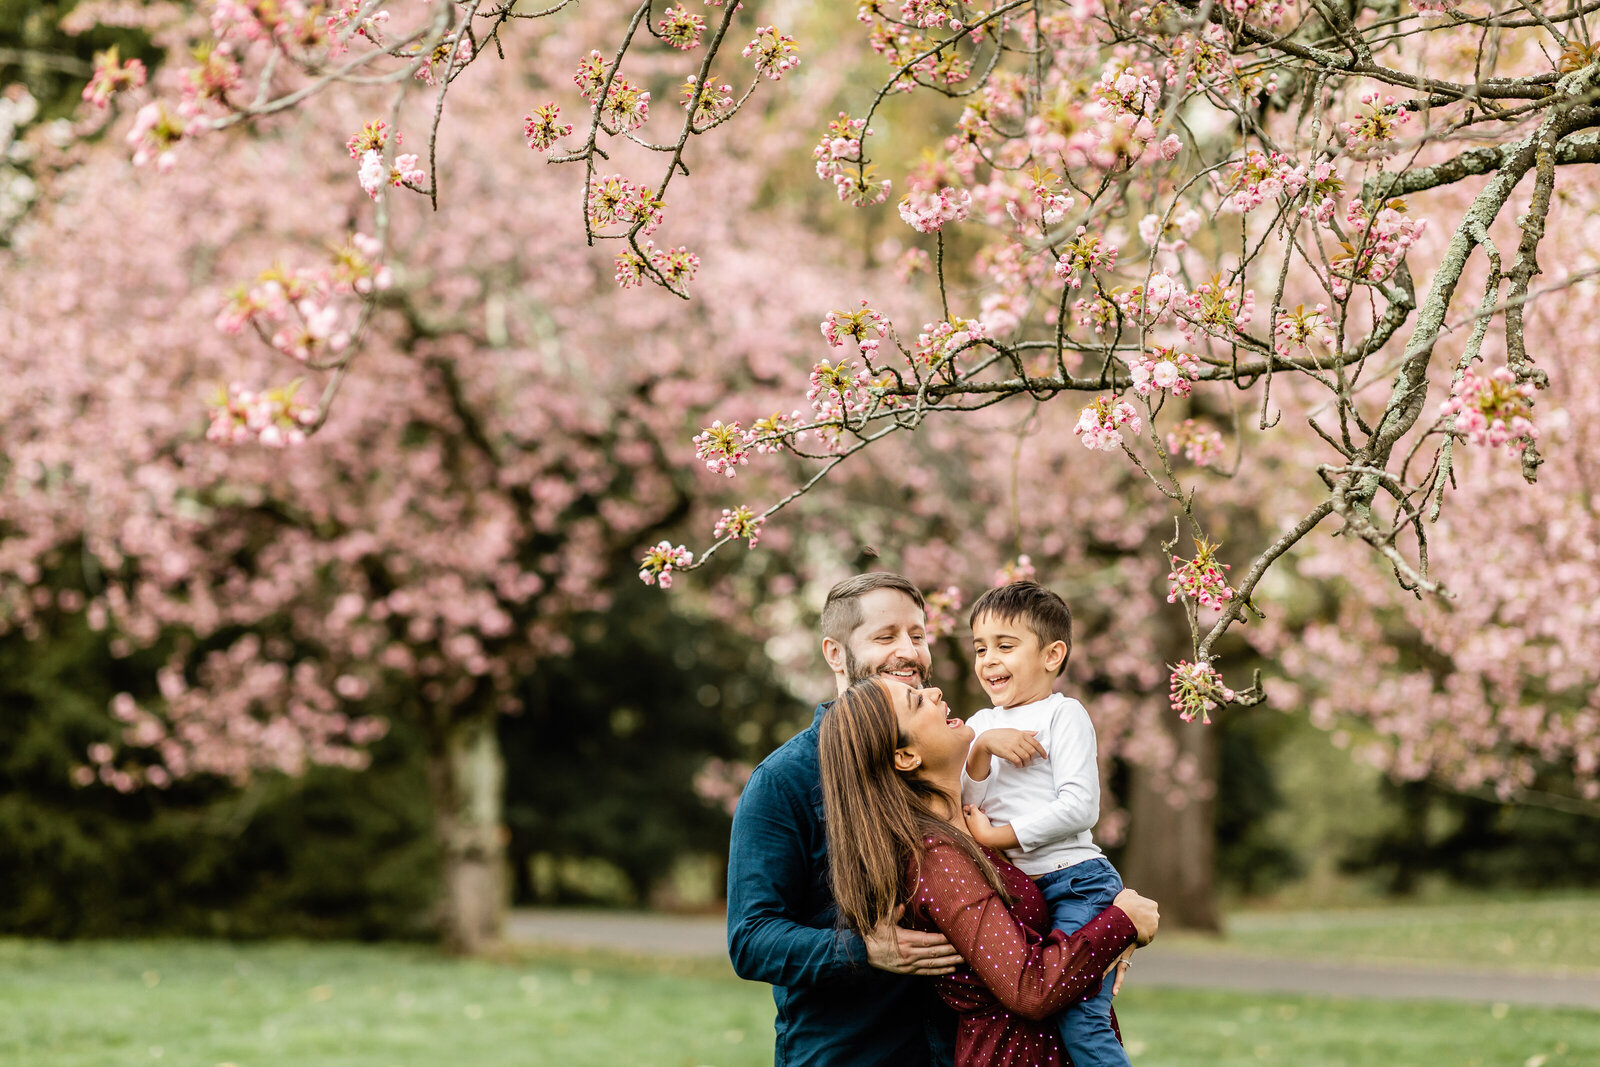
(891, 783)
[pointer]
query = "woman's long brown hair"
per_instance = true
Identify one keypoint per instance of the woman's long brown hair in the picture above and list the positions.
(877, 817)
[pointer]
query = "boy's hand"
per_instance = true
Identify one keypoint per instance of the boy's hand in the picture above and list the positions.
(987, 833)
(1016, 747)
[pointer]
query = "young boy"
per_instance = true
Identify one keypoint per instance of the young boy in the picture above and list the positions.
(1039, 799)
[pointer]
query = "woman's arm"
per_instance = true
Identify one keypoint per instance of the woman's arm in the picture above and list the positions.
(1032, 976)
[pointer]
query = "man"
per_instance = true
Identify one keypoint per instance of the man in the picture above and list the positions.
(843, 1001)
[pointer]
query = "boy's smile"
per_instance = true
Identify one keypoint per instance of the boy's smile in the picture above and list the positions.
(1012, 667)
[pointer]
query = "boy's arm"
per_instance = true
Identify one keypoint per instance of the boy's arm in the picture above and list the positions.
(1076, 806)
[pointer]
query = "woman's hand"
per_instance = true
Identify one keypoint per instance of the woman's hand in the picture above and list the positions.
(1144, 912)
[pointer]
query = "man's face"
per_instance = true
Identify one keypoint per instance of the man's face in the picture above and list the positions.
(891, 641)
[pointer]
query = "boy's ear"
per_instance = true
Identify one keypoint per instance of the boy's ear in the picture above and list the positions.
(906, 760)
(1055, 656)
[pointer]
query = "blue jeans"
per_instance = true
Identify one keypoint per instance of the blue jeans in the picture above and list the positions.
(1077, 894)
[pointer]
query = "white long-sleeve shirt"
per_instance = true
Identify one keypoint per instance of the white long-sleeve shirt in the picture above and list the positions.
(1050, 803)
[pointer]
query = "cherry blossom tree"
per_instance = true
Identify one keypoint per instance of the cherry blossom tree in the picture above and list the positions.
(505, 455)
(1280, 264)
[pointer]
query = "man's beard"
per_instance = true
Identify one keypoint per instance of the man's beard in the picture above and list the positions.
(854, 671)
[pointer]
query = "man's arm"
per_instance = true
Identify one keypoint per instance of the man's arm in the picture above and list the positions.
(769, 873)
(1076, 806)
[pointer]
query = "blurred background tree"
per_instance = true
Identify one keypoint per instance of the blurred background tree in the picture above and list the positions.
(499, 334)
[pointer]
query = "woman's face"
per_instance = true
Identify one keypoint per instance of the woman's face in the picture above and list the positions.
(934, 740)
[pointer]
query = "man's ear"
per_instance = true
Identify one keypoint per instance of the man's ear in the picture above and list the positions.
(906, 760)
(1055, 656)
(833, 653)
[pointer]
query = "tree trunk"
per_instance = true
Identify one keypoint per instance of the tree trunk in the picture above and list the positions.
(467, 776)
(1172, 849)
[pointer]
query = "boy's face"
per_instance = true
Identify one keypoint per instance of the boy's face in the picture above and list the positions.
(1012, 666)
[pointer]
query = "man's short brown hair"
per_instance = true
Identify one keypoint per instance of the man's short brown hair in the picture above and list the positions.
(841, 612)
(1031, 604)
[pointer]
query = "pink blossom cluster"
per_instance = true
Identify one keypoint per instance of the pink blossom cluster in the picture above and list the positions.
(711, 104)
(1206, 58)
(1322, 199)
(1375, 130)
(1202, 579)
(1049, 203)
(1268, 13)
(674, 265)
(407, 171)
(1163, 369)
(1095, 312)
(914, 58)
(367, 146)
(864, 326)
(627, 107)
(1199, 444)
(1217, 307)
(615, 200)
(769, 433)
(1016, 570)
(931, 14)
(680, 27)
(590, 76)
(344, 22)
(943, 614)
(1173, 236)
(839, 390)
(740, 522)
(1196, 691)
(721, 782)
(1258, 178)
(235, 22)
(1128, 91)
(155, 133)
(940, 341)
(1101, 423)
(251, 710)
(1493, 409)
(1375, 245)
(658, 564)
(838, 157)
(542, 127)
(1298, 328)
(445, 60)
(1127, 99)
(1084, 254)
(1152, 303)
(112, 76)
(273, 417)
(723, 447)
(927, 212)
(775, 54)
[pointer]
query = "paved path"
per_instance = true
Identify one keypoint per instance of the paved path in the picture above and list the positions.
(1189, 965)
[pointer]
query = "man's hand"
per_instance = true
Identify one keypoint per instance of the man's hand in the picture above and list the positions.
(1143, 911)
(1016, 747)
(1119, 967)
(893, 948)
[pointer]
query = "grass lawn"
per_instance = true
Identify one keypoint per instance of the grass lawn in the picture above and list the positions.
(342, 1005)
(1542, 933)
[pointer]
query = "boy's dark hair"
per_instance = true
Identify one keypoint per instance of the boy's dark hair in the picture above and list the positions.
(1031, 604)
